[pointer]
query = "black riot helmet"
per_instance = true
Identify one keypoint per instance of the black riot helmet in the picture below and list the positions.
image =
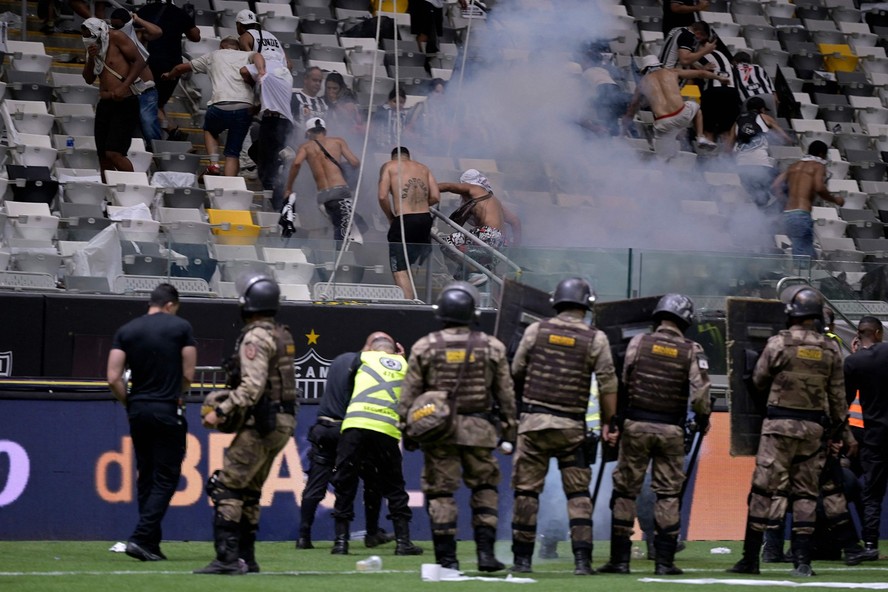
(802, 302)
(572, 292)
(456, 303)
(677, 308)
(259, 294)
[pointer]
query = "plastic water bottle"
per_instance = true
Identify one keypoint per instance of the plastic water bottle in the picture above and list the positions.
(69, 143)
(371, 564)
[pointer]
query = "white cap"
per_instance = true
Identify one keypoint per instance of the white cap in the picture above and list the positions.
(315, 122)
(246, 17)
(650, 61)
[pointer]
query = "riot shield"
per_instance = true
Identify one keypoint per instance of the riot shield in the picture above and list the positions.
(520, 306)
(621, 320)
(751, 322)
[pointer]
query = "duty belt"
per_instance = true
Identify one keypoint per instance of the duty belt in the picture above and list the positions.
(329, 422)
(531, 408)
(288, 407)
(775, 412)
(636, 414)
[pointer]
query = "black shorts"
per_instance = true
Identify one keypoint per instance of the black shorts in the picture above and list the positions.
(425, 19)
(116, 124)
(417, 228)
(721, 107)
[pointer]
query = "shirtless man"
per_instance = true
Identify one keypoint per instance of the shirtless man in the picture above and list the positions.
(672, 114)
(488, 216)
(805, 181)
(333, 192)
(112, 58)
(406, 190)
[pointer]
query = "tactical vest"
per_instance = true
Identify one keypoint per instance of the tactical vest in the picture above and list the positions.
(659, 380)
(374, 401)
(280, 387)
(558, 372)
(802, 381)
(448, 355)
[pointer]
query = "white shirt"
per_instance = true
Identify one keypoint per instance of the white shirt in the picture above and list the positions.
(223, 66)
(271, 48)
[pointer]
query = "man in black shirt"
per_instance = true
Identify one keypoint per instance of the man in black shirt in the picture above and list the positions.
(324, 438)
(681, 13)
(165, 52)
(866, 372)
(159, 350)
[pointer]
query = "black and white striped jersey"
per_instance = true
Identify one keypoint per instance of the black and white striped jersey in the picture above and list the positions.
(306, 107)
(752, 80)
(679, 38)
(722, 68)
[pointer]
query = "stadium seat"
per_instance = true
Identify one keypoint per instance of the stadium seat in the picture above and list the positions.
(276, 17)
(850, 190)
(37, 260)
(28, 56)
(143, 259)
(129, 189)
(29, 117)
(82, 186)
(71, 88)
(31, 221)
(200, 263)
(290, 266)
(82, 222)
(32, 184)
(74, 119)
(827, 222)
(139, 156)
(314, 12)
(234, 260)
(233, 227)
(228, 193)
(134, 227)
(184, 197)
(83, 155)
(184, 225)
(227, 11)
(810, 130)
(34, 150)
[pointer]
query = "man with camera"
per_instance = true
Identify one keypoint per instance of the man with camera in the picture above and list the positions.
(552, 370)
(659, 368)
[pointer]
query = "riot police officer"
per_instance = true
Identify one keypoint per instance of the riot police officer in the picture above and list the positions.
(801, 369)
(659, 371)
(264, 380)
(553, 369)
(485, 406)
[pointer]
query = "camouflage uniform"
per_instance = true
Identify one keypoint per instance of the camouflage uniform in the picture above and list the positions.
(265, 352)
(658, 371)
(803, 370)
(486, 386)
(562, 351)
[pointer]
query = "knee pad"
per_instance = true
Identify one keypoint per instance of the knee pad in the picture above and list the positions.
(218, 491)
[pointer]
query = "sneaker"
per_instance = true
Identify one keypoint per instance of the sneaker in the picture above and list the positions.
(213, 169)
(706, 142)
(249, 172)
(477, 279)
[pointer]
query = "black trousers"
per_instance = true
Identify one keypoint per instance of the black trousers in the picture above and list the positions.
(273, 133)
(158, 435)
(375, 458)
(324, 440)
(875, 480)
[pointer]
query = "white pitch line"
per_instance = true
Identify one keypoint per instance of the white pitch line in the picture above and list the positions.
(189, 572)
(774, 583)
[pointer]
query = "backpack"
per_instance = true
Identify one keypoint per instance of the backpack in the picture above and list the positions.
(747, 127)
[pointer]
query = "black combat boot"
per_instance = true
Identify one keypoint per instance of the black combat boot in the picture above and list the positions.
(340, 543)
(248, 545)
(485, 538)
(445, 550)
(226, 537)
(871, 551)
(846, 536)
(376, 537)
(752, 547)
(583, 561)
(304, 541)
(773, 549)
(403, 544)
(665, 562)
(801, 556)
(522, 557)
(621, 554)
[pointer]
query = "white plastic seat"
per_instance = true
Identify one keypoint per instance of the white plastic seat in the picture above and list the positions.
(237, 259)
(31, 221)
(29, 117)
(41, 260)
(82, 156)
(134, 229)
(129, 189)
(290, 266)
(184, 225)
(295, 291)
(810, 130)
(71, 88)
(227, 11)
(841, 253)
(276, 17)
(836, 165)
(82, 186)
(34, 150)
(75, 119)
(28, 56)
(827, 223)
(207, 44)
(228, 193)
(850, 190)
(806, 106)
(139, 155)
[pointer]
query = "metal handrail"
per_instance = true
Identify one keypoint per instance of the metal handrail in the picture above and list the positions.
(474, 264)
(477, 241)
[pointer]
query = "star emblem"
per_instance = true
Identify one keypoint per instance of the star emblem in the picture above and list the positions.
(312, 337)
